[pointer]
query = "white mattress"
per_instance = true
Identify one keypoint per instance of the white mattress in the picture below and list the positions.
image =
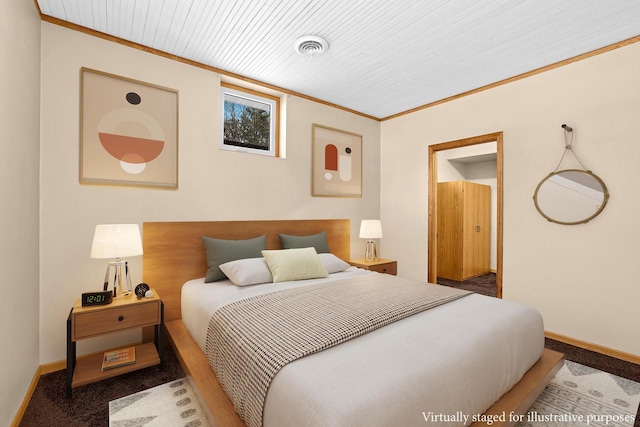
(453, 360)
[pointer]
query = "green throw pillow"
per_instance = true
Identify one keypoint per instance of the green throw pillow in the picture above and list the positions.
(317, 241)
(219, 251)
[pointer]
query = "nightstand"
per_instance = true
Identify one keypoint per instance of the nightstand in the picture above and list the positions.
(380, 265)
(125, 312)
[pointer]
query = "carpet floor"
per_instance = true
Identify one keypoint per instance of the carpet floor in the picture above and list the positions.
(89, 406)
(483, 285)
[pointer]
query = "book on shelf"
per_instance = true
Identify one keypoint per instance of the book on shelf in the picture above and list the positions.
(117, 358)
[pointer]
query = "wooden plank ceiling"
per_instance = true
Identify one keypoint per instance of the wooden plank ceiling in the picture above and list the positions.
(384, 56)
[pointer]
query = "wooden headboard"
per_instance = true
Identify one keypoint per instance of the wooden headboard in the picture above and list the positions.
(174, 252)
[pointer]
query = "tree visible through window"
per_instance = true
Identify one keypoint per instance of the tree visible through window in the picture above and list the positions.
(249, 121)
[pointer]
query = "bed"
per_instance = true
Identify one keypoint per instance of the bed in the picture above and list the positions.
(377, 390)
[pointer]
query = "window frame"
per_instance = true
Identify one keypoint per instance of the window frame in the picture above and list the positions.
(274, 119)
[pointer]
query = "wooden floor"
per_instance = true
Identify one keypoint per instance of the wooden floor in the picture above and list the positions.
(220, 409)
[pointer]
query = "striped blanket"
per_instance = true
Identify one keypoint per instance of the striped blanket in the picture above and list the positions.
(250, 340)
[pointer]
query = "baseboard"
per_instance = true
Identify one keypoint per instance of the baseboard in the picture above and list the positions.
(48, 368)
(628, 357)
(27, 397)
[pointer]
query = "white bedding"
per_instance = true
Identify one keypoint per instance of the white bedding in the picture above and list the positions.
(452, 361)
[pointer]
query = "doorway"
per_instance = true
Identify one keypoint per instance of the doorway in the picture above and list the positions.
(432, 272)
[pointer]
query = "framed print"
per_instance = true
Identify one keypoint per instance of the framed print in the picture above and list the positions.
(128, 132)
(336, 163)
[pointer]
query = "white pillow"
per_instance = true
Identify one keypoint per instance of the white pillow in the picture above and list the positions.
(247, 271)
(294, 264)
(333, 264)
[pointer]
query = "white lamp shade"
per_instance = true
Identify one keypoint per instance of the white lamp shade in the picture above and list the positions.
(370, 229)
(116, 241)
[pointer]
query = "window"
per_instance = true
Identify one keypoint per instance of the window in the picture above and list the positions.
(249, 121)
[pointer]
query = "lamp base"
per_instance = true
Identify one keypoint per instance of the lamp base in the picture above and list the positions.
(119, 276)
(370, 253)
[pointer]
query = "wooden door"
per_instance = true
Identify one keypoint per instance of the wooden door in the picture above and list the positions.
(449, 238)
(476, 229)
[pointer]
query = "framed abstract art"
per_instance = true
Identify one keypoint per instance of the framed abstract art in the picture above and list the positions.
(128, 132)
(336, 163)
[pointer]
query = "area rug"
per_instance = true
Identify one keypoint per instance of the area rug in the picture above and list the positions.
(583, 396)
(576, 396)
(172, 404)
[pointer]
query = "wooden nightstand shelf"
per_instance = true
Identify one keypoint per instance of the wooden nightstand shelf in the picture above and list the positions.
(380, 265)
(125, 312)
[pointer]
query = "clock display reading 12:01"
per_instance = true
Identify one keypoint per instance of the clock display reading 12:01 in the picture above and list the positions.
(97, 298)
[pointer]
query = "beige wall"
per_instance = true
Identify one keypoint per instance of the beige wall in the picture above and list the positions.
(581, 278)
(19, 214)
(214, 184)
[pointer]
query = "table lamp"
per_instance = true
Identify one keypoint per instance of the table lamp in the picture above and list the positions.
(117, 241)
(370, 229)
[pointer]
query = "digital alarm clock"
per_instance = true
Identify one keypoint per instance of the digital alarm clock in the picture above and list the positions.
(97, 298)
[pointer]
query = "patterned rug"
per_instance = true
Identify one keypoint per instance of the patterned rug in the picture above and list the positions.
(577, 396)
(583, 396)
(172, 404)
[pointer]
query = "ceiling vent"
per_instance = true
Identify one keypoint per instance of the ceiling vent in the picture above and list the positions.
(311, 46)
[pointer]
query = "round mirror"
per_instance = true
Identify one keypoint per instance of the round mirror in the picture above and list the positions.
(570, 196)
